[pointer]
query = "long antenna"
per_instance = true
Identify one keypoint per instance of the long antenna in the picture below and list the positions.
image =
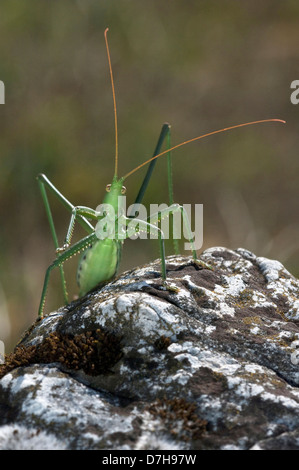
(114, 104)
(197, 138)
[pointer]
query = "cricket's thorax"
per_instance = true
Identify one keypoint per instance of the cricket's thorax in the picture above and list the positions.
(98, 264)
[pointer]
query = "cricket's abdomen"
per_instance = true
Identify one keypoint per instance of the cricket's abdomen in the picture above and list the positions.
(98, 264)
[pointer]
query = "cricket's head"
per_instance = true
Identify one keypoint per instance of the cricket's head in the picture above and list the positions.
(114, 191)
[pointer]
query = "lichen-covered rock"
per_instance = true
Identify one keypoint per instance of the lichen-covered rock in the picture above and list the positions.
(209, 365)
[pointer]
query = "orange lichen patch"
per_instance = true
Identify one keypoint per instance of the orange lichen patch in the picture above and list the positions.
(162, 343)
(22, 356)
(179, 418)
(252, 320)
(95, 352)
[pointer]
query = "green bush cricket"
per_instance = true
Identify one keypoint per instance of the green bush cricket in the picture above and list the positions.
(101, 255)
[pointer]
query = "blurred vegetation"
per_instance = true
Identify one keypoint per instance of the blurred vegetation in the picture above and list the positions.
(200, 65)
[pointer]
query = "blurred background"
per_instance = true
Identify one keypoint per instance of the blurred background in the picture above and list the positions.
(199, 65)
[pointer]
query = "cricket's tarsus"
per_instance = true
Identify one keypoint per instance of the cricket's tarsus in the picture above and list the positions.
(101, 256)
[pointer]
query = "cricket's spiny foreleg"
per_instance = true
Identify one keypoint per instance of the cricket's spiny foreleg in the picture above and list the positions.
(44, 183)
(173, 209)
(77, 213)
(135, 226)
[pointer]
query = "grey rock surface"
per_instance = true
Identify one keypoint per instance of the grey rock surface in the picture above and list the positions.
(212, 365)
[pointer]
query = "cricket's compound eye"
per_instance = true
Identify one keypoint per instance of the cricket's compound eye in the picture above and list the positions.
(108, 187)
(123, 190)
